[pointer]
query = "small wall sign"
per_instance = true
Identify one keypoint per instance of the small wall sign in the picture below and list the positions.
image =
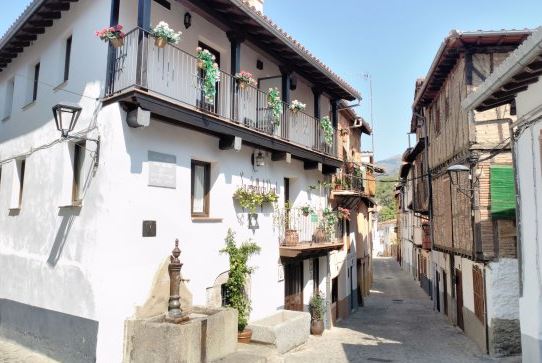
(162, 170)
(149, 228)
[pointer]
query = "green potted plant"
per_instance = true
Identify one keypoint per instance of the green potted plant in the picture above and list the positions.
(317, 308)
(306, 210)
(327, 127)
(239, 271)
(163, 35)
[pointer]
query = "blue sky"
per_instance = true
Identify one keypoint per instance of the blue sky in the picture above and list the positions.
(392, 40)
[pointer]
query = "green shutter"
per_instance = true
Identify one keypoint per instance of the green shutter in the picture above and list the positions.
(503, 192)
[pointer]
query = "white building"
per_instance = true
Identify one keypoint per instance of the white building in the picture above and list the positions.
(517, 81)
(85, 230)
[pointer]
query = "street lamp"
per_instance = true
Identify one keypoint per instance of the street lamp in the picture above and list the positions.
(66, 116)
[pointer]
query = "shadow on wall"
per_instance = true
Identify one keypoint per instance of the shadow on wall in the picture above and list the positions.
(68, 215)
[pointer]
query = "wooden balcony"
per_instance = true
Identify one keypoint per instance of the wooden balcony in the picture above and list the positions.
(307, 233)
(171, 78)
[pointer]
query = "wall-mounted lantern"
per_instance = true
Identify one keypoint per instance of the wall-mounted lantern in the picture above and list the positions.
(455, 172)
(66, 116)
(258, 160)
(187, 20)
(253, 221)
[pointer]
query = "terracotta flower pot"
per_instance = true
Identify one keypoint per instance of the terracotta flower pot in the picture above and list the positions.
(117, 42)
(317, 327)
(199, 63)
(291, 237)
(319, 236)
(160, 42)
(243, 84)
(244, 336)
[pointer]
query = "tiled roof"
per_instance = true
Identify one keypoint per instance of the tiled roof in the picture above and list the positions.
(246, 6)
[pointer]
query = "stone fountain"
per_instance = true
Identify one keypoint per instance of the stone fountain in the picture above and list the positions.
(183, 334)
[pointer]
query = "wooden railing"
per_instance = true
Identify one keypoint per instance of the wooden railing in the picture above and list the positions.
(174, 74)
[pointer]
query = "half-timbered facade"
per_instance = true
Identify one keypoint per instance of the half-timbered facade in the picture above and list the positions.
(468, 161)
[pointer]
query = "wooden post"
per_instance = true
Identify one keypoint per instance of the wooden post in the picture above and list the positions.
(111, 53)
(144, 23)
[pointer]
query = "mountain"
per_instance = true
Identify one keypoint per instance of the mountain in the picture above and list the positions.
(391, 165)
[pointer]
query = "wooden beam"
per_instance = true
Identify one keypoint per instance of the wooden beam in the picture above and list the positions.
(329, 169)
(281, 156)
(57, 6)
(50, 14)
(41, 23)
(312, 165)
(230, 143)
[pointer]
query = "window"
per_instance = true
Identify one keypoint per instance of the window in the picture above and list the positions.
(67, 57)
(478, 284)
(21, 165)
(8, 101)
(225, 294)
(36, 82)
(200, 188)
(78, 182)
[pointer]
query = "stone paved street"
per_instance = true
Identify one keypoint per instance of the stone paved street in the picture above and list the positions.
(397, 324)
(13, 353)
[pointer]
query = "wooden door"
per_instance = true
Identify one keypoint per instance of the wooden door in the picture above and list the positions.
(293, 286)
(459, 299)
(445, 292)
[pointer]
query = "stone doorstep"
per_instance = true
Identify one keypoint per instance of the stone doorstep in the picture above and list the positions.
(253, 353)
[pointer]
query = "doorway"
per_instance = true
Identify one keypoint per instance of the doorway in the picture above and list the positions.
(438, 290)
(293, 286)
(459, 298)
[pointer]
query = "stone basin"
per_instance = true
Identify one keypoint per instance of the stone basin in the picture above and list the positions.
(285, 329)
(208, 335)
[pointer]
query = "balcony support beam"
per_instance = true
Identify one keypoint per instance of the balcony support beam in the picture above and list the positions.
(230, 143)
(312, 165)
(286, 73)
(281, 156)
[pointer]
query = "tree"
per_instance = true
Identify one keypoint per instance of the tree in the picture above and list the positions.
(385, 196)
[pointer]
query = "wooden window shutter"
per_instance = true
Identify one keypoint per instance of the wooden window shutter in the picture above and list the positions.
(503, 192)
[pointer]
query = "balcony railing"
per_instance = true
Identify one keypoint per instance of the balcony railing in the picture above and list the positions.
(349, 182)
(301, 227)
(173, 74)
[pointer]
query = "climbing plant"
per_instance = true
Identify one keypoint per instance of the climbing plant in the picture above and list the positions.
(275, 104)
(211, 74)
(326, 125)
(239, 271)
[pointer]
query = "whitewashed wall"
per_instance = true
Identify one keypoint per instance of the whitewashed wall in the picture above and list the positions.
(529, 175)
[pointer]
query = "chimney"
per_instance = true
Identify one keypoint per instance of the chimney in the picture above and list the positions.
(258, 4)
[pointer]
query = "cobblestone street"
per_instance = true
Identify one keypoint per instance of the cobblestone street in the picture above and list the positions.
(397, 324)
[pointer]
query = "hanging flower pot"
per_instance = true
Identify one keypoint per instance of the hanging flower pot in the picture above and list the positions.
(117, 42)
(160, 42)
(163, 35)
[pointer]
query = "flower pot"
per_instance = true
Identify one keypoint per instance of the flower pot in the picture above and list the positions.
(117, 42)
(317, 327)
(242, 85)
(291, 237)
(160, 42)
(306, 213)
(199, 63)
(244, 336)
(294, 111)
(319, 235)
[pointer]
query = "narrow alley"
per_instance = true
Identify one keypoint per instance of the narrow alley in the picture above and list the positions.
(397, 324)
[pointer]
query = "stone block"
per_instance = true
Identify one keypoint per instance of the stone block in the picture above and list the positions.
(285, 330)
(208, 335)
